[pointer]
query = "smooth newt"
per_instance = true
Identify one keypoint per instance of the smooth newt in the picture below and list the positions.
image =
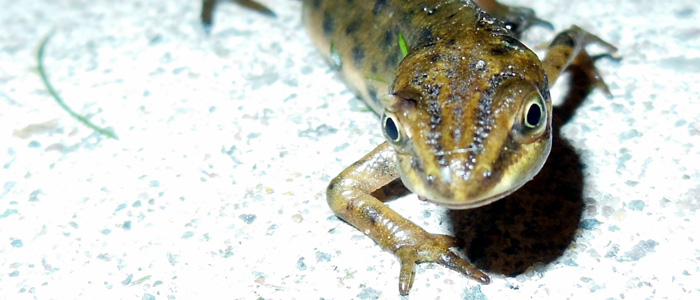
(465, 108)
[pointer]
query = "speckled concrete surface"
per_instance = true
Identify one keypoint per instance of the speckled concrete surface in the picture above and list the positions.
(215, 187)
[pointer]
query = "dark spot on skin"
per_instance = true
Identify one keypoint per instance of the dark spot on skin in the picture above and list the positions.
(353, 26)
(500, 50)
(316, 3)
(388, 40)
(418, 79)
(494, 82)
(416, 164)
(484, 111)
(442, 161)
(378, 5)
(484, 108)
(349, 1)
(350, 206)
(374, 69)
(333, 185)
(373, 94)
(505, 158)
(563, 39)
(358, 55)
(435, 58)
(435, 113)
(544, 90)
(451, 42)
(426, 36)
(433, 91)
(328, 23)
(411, 13)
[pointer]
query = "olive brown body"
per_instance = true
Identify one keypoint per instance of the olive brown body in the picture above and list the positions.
(465, 109)
(459, 98)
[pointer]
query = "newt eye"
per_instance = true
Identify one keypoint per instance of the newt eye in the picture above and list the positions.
(392, 129)
(534, 116)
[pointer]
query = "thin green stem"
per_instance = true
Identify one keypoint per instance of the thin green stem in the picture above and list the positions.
(402, 45)
(49, 87)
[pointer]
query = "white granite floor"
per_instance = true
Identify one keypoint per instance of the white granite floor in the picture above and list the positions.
(215, 187)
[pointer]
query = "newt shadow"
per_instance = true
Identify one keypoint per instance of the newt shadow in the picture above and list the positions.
(533, 225)
(538, 222)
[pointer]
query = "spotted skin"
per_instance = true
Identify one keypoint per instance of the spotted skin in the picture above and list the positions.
(457, 109)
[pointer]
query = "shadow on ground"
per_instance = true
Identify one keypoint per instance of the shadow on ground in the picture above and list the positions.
(537, 223)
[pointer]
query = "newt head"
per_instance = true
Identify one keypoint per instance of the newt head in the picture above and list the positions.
(469, 126)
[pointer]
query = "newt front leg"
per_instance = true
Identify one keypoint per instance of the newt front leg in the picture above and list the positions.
(517, 19)
(569, 48)
(349, 196)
